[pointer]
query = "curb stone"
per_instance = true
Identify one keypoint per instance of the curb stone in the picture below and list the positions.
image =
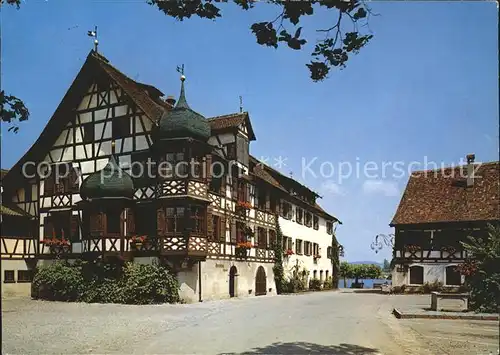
(400, 315)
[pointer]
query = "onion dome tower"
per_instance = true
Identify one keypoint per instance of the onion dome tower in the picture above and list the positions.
(182, 121)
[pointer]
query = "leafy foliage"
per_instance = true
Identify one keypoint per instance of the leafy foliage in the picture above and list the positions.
(130, 283)
(331, 51)
(484, 278)
(337, 251)
(315, 284)
(298, 281)
(58, 282)
(328, 284)
(11, 2)
(387, 266)
(278, 270)
(12, 109)
(360, 271)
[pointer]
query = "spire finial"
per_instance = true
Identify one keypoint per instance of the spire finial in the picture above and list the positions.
(241, 103)
(94, 34)
(182, 102)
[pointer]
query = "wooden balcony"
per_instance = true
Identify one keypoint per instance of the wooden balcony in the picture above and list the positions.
(183, 187)
(194, 246)
(106, 245)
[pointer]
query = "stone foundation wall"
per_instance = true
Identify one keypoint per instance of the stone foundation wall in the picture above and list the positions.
(215, 280)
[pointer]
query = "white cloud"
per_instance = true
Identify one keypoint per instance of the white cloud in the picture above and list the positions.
(387, 188)
(332, 188)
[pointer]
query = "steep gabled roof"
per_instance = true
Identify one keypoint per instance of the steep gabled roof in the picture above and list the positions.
(442, 196)
(231, 121)
(95, 64)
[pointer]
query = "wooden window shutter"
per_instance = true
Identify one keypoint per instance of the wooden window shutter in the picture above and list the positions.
(208, 167)
(268, 202)
(210, 224)
(160, 221)
(74, 236)
(222, 236)
(97, 224)
(48, 227)
(233, 232)
(130, 222)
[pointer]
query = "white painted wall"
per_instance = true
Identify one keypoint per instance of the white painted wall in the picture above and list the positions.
(293, 230)
(215, 280)
(432, 272)
(15, 289)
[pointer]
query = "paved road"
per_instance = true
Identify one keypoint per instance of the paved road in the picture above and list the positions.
(315, 323)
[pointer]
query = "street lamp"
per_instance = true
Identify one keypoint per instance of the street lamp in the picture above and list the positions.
(382, 240)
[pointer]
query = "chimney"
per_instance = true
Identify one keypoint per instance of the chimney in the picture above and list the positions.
(170, 100)
(470, 170)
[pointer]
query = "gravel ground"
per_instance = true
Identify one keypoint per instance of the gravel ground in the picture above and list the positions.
(343, 323)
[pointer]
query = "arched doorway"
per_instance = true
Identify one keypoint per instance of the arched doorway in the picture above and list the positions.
(233, 272)
(260, 282)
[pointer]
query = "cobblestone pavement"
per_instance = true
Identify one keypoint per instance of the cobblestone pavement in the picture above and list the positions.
(315, 323)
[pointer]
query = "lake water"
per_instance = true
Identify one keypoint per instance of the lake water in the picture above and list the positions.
(367, 283)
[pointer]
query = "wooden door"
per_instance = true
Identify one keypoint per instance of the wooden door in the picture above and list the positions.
(260, 282)
(232, 278)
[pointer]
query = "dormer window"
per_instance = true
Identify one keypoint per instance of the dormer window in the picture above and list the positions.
(242, 149)
(231, 151)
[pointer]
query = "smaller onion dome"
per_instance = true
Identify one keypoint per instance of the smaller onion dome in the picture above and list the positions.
(109, 182)
(182, 121)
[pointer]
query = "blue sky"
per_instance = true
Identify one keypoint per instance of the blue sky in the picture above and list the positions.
(426, 86)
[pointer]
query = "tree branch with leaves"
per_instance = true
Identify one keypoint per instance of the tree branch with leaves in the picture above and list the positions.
(331, 51)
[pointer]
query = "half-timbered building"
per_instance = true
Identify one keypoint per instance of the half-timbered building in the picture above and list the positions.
(439, 210)
(122, 173)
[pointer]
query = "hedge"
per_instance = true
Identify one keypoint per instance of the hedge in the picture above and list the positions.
(129, 283)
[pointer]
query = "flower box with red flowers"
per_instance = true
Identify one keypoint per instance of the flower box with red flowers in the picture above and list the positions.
(288, 253)
(317, 256)
(57, 246)
(242, 249)
(136, 242)
(412, 248)
(244, 204)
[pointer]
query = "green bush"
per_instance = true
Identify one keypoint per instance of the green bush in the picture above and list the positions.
(58, 281)
(328, 284)
(433, 286)
(295, 285)
(129, 283)
(144, 284)
(315, 284)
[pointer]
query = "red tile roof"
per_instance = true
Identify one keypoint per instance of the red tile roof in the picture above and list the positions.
(442, 196)
(138, 92)
(232, 120)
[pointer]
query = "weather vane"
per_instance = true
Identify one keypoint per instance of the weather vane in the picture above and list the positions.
(180, 69)
(241, 104)
(94, 34)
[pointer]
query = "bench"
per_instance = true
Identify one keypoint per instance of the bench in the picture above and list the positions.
(457, 302)
(378, 285)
